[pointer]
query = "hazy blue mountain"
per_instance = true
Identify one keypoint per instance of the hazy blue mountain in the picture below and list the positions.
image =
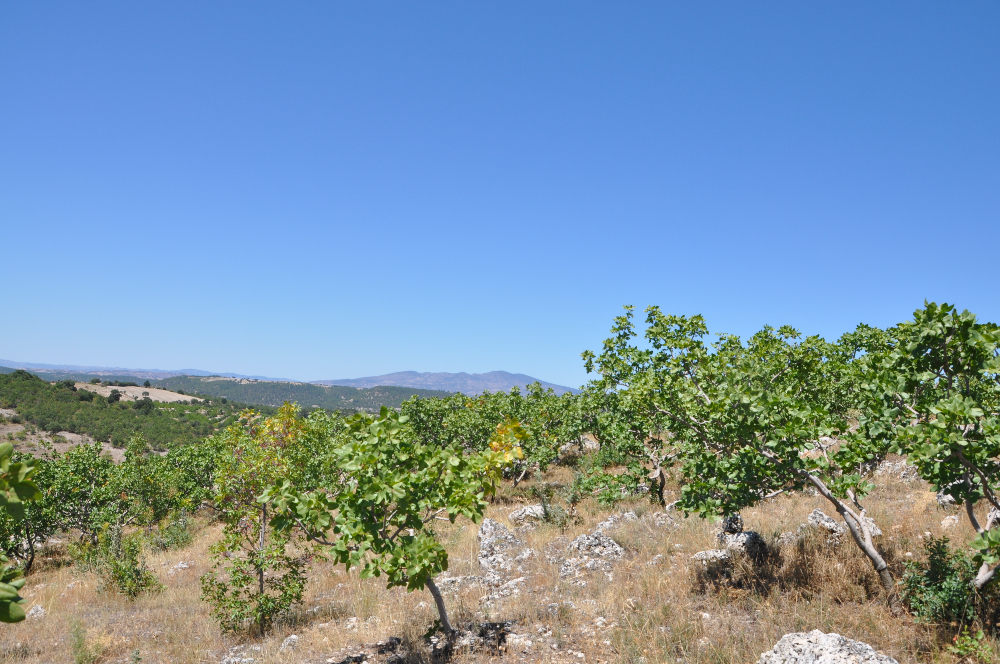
(74, 369)
(494, 381)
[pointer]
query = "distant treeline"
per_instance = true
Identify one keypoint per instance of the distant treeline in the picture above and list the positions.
(307, 395)
(113, 419)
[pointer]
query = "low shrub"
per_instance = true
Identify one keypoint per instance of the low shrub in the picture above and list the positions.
(174, 532)
(941, 589)
(117, 558)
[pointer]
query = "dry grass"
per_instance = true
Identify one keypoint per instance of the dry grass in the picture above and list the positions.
(666, 612)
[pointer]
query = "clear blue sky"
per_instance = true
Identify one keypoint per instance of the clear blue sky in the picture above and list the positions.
(329, 190)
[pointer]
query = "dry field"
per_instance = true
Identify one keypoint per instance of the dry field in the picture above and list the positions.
(652, 607)
(163, 396)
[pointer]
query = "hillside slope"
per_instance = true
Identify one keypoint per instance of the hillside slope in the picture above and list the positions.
(307, 395)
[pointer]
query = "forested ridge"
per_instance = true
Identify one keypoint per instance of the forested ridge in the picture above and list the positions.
(62, 407)
(308, 395)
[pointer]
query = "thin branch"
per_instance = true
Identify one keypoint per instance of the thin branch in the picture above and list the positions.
(987, 489)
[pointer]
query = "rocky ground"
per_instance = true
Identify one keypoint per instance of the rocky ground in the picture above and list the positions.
(633, 583)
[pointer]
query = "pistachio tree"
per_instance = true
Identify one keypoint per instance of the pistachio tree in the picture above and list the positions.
(544, 420)
(255, 577)
(739, 421)
(384, 490)
(16, 487)
(934, 393)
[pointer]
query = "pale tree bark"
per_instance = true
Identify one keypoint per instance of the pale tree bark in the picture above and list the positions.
(862, 536)
(442, 611)
(985, 574)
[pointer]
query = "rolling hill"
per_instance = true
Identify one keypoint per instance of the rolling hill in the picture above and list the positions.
(307, 395)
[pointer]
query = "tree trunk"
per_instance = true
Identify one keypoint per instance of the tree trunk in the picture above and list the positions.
(888, 583)
(442, 611)
(30, 533)
(260, 548)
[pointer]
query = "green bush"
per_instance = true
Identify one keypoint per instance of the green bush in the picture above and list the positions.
(174, 532)
(942, 591)
(255, 579)
(117, 558)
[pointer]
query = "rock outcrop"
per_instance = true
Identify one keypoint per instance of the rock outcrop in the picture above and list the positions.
(595, 552)
(836, 529)
(502, 557)
(496, 543)
(733, 538)
(816, 647)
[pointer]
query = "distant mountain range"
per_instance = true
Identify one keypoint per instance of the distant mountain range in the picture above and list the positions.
(494, 381)
(152, 374)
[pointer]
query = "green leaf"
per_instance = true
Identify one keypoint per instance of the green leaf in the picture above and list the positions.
(11, 612)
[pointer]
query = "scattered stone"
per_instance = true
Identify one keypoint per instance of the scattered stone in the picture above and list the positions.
(949, 521)
(787, 539)
(712, 556)
(351, 623)
(819, 648)
(36, 611)
(289, 643)
(656, 560)
(732, 524)
(598, 544)
(520, 643)
(452, 584)
(899, 469)
(490, 637)
(615, 520)
(525, 556)
(575, 449)
(873, 527)
(818, 519)
(749, 543)
(503, 589)
(369, 652)
(528, 514)
(180, 566)
(496, 556)
(664, 520)
(573, 568)
(236, 655)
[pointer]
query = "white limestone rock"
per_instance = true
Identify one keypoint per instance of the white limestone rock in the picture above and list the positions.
(616, 520)
(732, 537)
(712, 556)
(596, 553)
(527, 514)
(599, 545)
(495, 545)
(816, 647)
